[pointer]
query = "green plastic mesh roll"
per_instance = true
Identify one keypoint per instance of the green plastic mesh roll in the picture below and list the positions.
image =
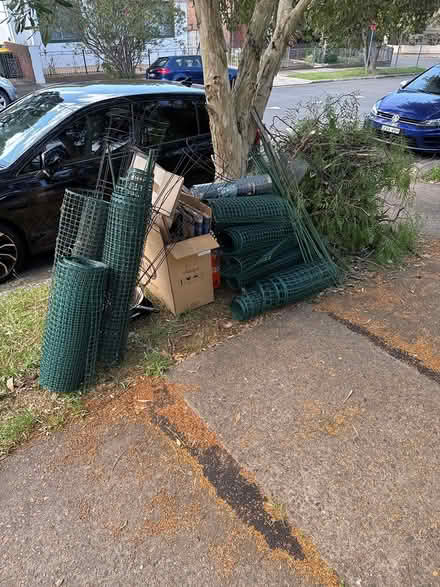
(241, 271)
(128, 218)
(282, 288)
(82, 225)
(238, 240)
(72, 329)
(248, 210)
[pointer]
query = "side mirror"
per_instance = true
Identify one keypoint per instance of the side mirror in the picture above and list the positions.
(187, 82)
(403, 84)
(51, 161)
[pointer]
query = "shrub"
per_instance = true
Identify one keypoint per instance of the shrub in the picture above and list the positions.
(357, 189)
(331, 58)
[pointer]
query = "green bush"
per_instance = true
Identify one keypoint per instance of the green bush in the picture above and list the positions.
(357, 189)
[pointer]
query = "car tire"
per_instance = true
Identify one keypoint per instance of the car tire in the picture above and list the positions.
(12, 252)
(4, 100)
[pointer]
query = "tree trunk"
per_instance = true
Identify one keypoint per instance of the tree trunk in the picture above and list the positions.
(230, 111)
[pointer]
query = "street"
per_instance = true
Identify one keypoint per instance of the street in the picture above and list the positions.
(281, 100)
(368, 90)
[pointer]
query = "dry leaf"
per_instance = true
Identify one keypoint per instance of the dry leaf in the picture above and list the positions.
(10, 384)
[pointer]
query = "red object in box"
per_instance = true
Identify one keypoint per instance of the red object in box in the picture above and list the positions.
(215, 264)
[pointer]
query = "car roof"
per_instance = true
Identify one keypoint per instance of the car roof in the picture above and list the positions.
(85, 93)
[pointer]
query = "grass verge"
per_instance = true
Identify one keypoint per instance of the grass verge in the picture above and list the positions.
(356, 72)
(155, 343)
(433, 175)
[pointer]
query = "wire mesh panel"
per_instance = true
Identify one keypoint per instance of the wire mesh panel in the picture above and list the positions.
(82, 225)
(238, 240)
(248, 210)
(130, 209)
(245, 186)
(282, 288)
(242, 271)
(71, 334)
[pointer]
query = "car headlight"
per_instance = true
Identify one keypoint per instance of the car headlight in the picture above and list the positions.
(432, 123)
(375, 109)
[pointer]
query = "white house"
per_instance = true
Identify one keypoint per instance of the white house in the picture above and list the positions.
(64, 54)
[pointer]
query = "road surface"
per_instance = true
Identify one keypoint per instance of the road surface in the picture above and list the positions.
(281, 100)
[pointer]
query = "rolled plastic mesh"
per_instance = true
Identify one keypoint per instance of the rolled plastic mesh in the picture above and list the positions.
(128, 218)
(82, 225)
(282, 288)
(245, 186)
(72, 328)
(238, 240)
(242, 271)
(248, 210)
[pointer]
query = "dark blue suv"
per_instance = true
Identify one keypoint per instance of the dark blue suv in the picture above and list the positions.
(182, 68)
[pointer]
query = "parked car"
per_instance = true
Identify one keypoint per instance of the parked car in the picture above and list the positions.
(54, 138)
(412, 112)
(8, 92)
(182, 68)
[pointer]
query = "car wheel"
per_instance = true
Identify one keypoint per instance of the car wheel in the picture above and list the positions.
(4, 99)
(12, 252)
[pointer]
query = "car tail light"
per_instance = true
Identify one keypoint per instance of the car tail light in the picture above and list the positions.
(163, 70)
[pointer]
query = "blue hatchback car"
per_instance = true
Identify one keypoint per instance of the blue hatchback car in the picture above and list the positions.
(182, 68)
(412, 112)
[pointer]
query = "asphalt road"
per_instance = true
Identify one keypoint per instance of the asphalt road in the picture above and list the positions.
(368, 91)
(281, 100)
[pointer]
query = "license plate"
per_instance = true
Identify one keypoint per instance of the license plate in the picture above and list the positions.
(392, 129)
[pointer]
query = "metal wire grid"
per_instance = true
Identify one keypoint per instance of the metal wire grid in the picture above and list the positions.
(245, 186)
(242, 271)
(82, 225)
(282, 288)
(128, 218)
(248, 210)
(238, 240)
(72, 328)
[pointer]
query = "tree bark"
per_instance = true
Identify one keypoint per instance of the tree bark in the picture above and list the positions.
(230, 111)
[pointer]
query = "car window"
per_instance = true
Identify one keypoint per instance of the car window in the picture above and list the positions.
(193, 62)
(428, 82)
(82, 139)
(175, 119)
(178, 61)
(161, 62)
(24, 123)
(202, 113)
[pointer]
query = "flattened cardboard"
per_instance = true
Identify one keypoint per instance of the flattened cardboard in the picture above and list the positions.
(166, 190)
(193, 246)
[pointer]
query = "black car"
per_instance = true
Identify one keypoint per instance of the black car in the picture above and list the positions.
(54, 138)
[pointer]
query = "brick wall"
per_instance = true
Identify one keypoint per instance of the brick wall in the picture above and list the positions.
(21, 53)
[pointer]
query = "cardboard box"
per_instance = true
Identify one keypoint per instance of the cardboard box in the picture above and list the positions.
(183, 281)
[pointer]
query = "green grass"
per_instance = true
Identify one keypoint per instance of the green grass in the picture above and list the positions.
(16, 429)
(432, 175)
(156, 363)
(356, 72)
(22, 314)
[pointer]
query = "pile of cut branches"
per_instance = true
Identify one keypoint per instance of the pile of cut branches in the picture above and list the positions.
(358, 190)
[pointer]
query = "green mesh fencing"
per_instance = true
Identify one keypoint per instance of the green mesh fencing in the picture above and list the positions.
(82, 225)
(72, 328)
(249, 185)
(128, 218)
(282, 288)
(242, 271)
(248, 210)
(238, 240)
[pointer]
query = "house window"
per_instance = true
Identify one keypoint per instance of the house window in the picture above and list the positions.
(63, 37)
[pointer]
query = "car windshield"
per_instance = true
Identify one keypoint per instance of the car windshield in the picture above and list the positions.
(428, 82)
(28, 120)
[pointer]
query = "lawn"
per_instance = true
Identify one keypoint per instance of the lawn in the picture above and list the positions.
(433, 175)
(155, 343)
(356, 72)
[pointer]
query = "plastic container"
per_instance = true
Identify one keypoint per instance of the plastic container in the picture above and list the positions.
(215, 264)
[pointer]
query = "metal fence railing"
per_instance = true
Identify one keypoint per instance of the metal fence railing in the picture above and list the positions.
(318, 55)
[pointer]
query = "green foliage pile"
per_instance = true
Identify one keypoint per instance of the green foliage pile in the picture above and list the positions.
(357, 189)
